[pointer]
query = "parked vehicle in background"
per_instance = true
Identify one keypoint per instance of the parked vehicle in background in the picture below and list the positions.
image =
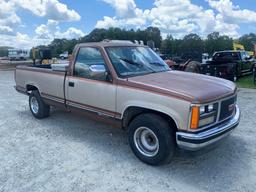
(205, 58)
(131, 86)
(240, 47)
(224, 64)
(229, 65)
(18, 54)
(64, 55)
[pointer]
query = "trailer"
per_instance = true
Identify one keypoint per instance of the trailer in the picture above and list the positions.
(18, 54)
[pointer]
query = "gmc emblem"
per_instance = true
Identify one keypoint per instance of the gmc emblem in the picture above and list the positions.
(231, 107)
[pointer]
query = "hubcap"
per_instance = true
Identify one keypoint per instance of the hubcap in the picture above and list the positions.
(146, 141)
(34, 105)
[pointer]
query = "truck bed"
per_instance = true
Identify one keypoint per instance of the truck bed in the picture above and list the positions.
(45, 78)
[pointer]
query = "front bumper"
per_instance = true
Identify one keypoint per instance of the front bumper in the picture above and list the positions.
(196, 141)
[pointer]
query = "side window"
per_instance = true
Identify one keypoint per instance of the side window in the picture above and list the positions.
(90, 64)
(243, 56)
(235, 56)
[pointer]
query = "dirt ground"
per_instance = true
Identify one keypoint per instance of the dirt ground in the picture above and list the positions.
(66, 152)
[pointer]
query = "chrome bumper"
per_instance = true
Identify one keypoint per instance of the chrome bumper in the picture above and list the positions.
(196, 141)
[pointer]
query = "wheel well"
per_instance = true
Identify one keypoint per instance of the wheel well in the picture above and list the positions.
(132, 112)
(30, 88)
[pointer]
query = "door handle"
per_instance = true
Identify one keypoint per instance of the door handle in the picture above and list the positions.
(71, 84)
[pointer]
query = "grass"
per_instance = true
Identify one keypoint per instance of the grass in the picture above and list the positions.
(246, 82)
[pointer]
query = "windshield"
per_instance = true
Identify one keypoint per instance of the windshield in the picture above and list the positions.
(134, 61)
(245, 55)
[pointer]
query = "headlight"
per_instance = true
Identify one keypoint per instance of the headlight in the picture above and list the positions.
(203, 115)
(206, 109)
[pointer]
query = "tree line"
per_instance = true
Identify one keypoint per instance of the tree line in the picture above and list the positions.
(190, 44)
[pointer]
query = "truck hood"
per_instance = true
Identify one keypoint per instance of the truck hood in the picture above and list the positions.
(193, 87)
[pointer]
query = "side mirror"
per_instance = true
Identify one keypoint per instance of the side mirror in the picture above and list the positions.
(60, 67)
(98, 72)
(249, 57)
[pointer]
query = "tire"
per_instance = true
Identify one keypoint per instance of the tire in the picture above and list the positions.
(193, 67)
(235, 74)
(37, 106)
(152, 139)
(235, 78)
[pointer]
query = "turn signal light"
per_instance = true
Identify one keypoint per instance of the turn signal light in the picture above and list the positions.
(195, 112)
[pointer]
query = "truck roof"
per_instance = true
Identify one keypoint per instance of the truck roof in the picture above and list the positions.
(233, 51)
(110, 43)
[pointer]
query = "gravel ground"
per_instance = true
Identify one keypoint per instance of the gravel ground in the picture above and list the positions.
(66, 152)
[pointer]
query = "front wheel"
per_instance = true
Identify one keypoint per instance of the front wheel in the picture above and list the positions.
(37, 106)
(152, 139)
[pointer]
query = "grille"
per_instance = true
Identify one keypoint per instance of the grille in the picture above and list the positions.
(227, 108)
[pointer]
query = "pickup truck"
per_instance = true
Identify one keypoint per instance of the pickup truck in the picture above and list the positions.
(130, 86)
(63, 55)
(224, 64)
(229, 64)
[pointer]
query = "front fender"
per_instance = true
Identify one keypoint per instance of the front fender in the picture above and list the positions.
(171, 112)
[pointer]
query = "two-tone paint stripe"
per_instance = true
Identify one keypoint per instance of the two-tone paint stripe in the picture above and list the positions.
(99, 111)
(53, 98)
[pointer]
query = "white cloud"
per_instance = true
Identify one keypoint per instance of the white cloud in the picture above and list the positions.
(47, 31)
(231, 13)
(127, 14)
(53, 10)
(71, 33)
(8, 17)
(107, 22)
(20, 40)
(6, 30)
(50, 9)
(179, 17)
(124, 8)
(52, 30)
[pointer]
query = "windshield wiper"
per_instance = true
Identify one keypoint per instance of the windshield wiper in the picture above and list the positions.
(157, 63)
(131, 62)
(137, 64)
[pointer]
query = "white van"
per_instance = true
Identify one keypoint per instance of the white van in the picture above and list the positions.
(18, 54)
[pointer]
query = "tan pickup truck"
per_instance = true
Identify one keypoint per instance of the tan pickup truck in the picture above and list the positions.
(131, 86)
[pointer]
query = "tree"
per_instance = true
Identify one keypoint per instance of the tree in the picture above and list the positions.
(153, 34)
(248, 41)
(4, 51)
(192, 47)
(167, 45)
(216, 42)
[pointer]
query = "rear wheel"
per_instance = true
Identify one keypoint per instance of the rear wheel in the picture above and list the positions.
(37, 106)
(235, 74)
(152, 139)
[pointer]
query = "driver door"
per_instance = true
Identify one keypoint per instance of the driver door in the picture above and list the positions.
(246, 63)
(87, 89)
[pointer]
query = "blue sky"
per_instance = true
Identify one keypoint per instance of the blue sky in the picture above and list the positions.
(27, 23)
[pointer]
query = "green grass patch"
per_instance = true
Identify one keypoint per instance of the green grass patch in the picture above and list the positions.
(246, 82)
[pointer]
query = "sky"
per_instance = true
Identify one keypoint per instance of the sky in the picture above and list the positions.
(28, 23)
